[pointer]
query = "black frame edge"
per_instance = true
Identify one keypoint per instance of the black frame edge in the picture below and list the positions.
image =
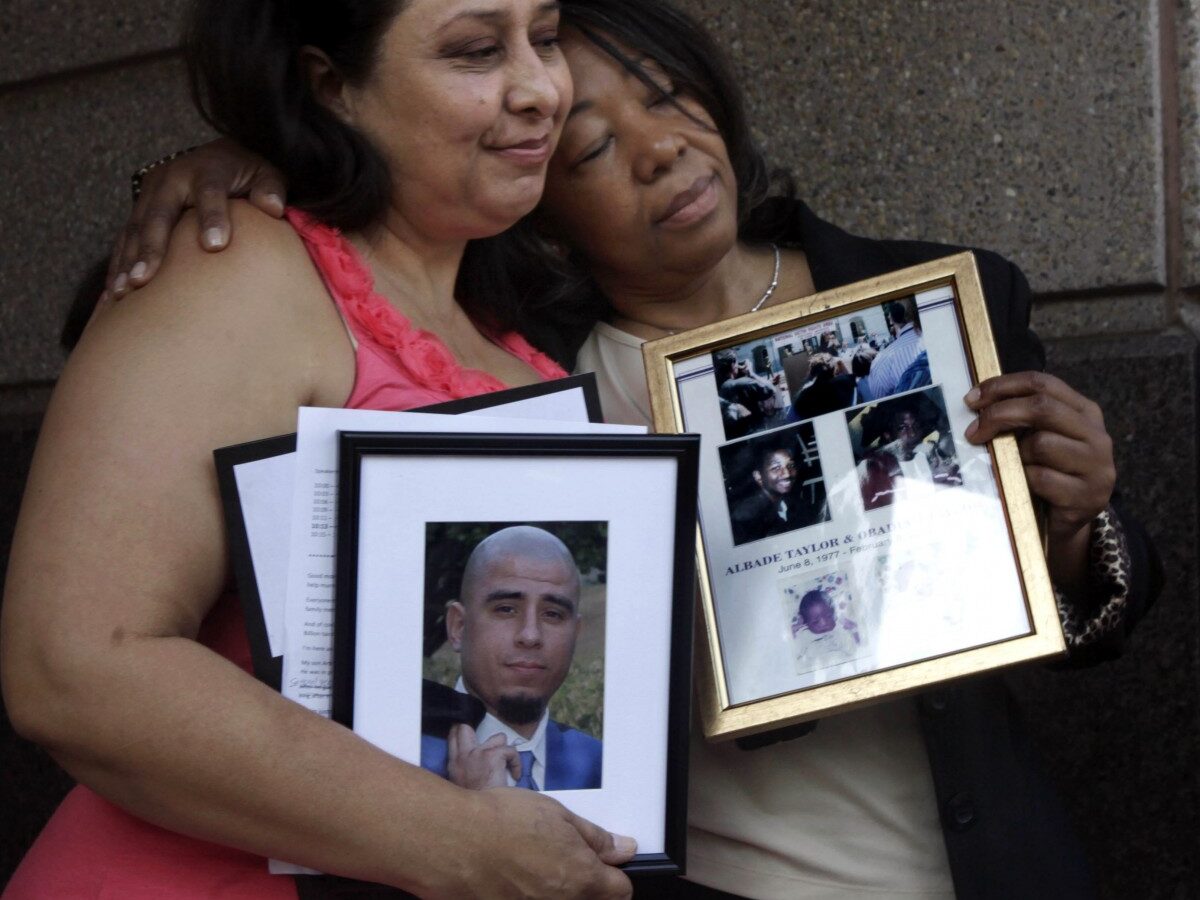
(267, 668)
(683, 448)
(585, 382)
(345, 579)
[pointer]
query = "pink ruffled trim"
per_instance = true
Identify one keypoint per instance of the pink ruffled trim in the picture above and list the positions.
(421, 354)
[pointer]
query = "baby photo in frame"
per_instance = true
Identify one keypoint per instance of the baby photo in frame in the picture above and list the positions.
(826, 624)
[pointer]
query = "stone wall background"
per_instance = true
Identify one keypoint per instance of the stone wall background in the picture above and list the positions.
(1063, 134)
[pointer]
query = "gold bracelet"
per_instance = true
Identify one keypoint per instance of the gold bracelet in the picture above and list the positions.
(135, 181)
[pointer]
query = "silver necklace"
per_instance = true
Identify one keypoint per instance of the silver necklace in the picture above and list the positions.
(770, 287)
(766, 295)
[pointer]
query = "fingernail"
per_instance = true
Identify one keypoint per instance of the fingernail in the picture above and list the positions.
(138, 270)
(212, 238)
(275, 200)
(971, 429)
(105, 296)
(972, 397)
(623, 844)
(120, 284)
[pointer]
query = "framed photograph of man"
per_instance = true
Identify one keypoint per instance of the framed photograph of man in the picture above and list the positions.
(514, 619)
(853, 545)
(515, 610)
(774, 483)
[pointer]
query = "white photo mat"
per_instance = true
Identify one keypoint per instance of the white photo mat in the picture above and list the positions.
(962, 527)
(400, 495)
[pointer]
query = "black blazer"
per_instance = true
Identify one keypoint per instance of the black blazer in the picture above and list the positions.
(1006, 834)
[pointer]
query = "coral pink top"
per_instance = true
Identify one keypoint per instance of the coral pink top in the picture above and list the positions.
(92, 849)
(399, 366)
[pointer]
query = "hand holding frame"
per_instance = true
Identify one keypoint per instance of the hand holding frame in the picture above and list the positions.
(1068, 457)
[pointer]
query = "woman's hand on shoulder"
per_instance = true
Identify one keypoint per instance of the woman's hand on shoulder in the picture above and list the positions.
(257, 314)
(524, 844)
(204, 178)
(1067, 452)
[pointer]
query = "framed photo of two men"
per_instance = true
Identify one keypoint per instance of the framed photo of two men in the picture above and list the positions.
(853, 545)
(516, 610)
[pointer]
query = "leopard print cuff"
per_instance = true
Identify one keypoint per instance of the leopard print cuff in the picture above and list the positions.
(1108, 561)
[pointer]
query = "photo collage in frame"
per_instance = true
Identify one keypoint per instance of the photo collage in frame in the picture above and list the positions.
(853, 542)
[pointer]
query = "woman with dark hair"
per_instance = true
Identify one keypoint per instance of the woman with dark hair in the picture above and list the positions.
(889, 800)
(657, 217)
(413, 127)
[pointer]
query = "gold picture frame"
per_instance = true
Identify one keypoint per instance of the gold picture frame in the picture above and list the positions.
(841, 513)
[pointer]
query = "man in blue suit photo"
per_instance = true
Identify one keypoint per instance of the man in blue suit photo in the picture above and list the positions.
(514, 625)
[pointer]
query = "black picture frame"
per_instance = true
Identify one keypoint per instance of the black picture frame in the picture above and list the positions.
(585, 382)
(355, 447)
(268, 667)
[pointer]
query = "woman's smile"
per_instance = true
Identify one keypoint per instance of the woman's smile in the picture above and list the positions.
(532, 152)
(691, 205)
(645, 160)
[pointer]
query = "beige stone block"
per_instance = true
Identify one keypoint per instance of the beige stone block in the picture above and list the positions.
(1188, 24)
(1099, 316)
(41, 37)
(1027, 127)
(67, 149)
